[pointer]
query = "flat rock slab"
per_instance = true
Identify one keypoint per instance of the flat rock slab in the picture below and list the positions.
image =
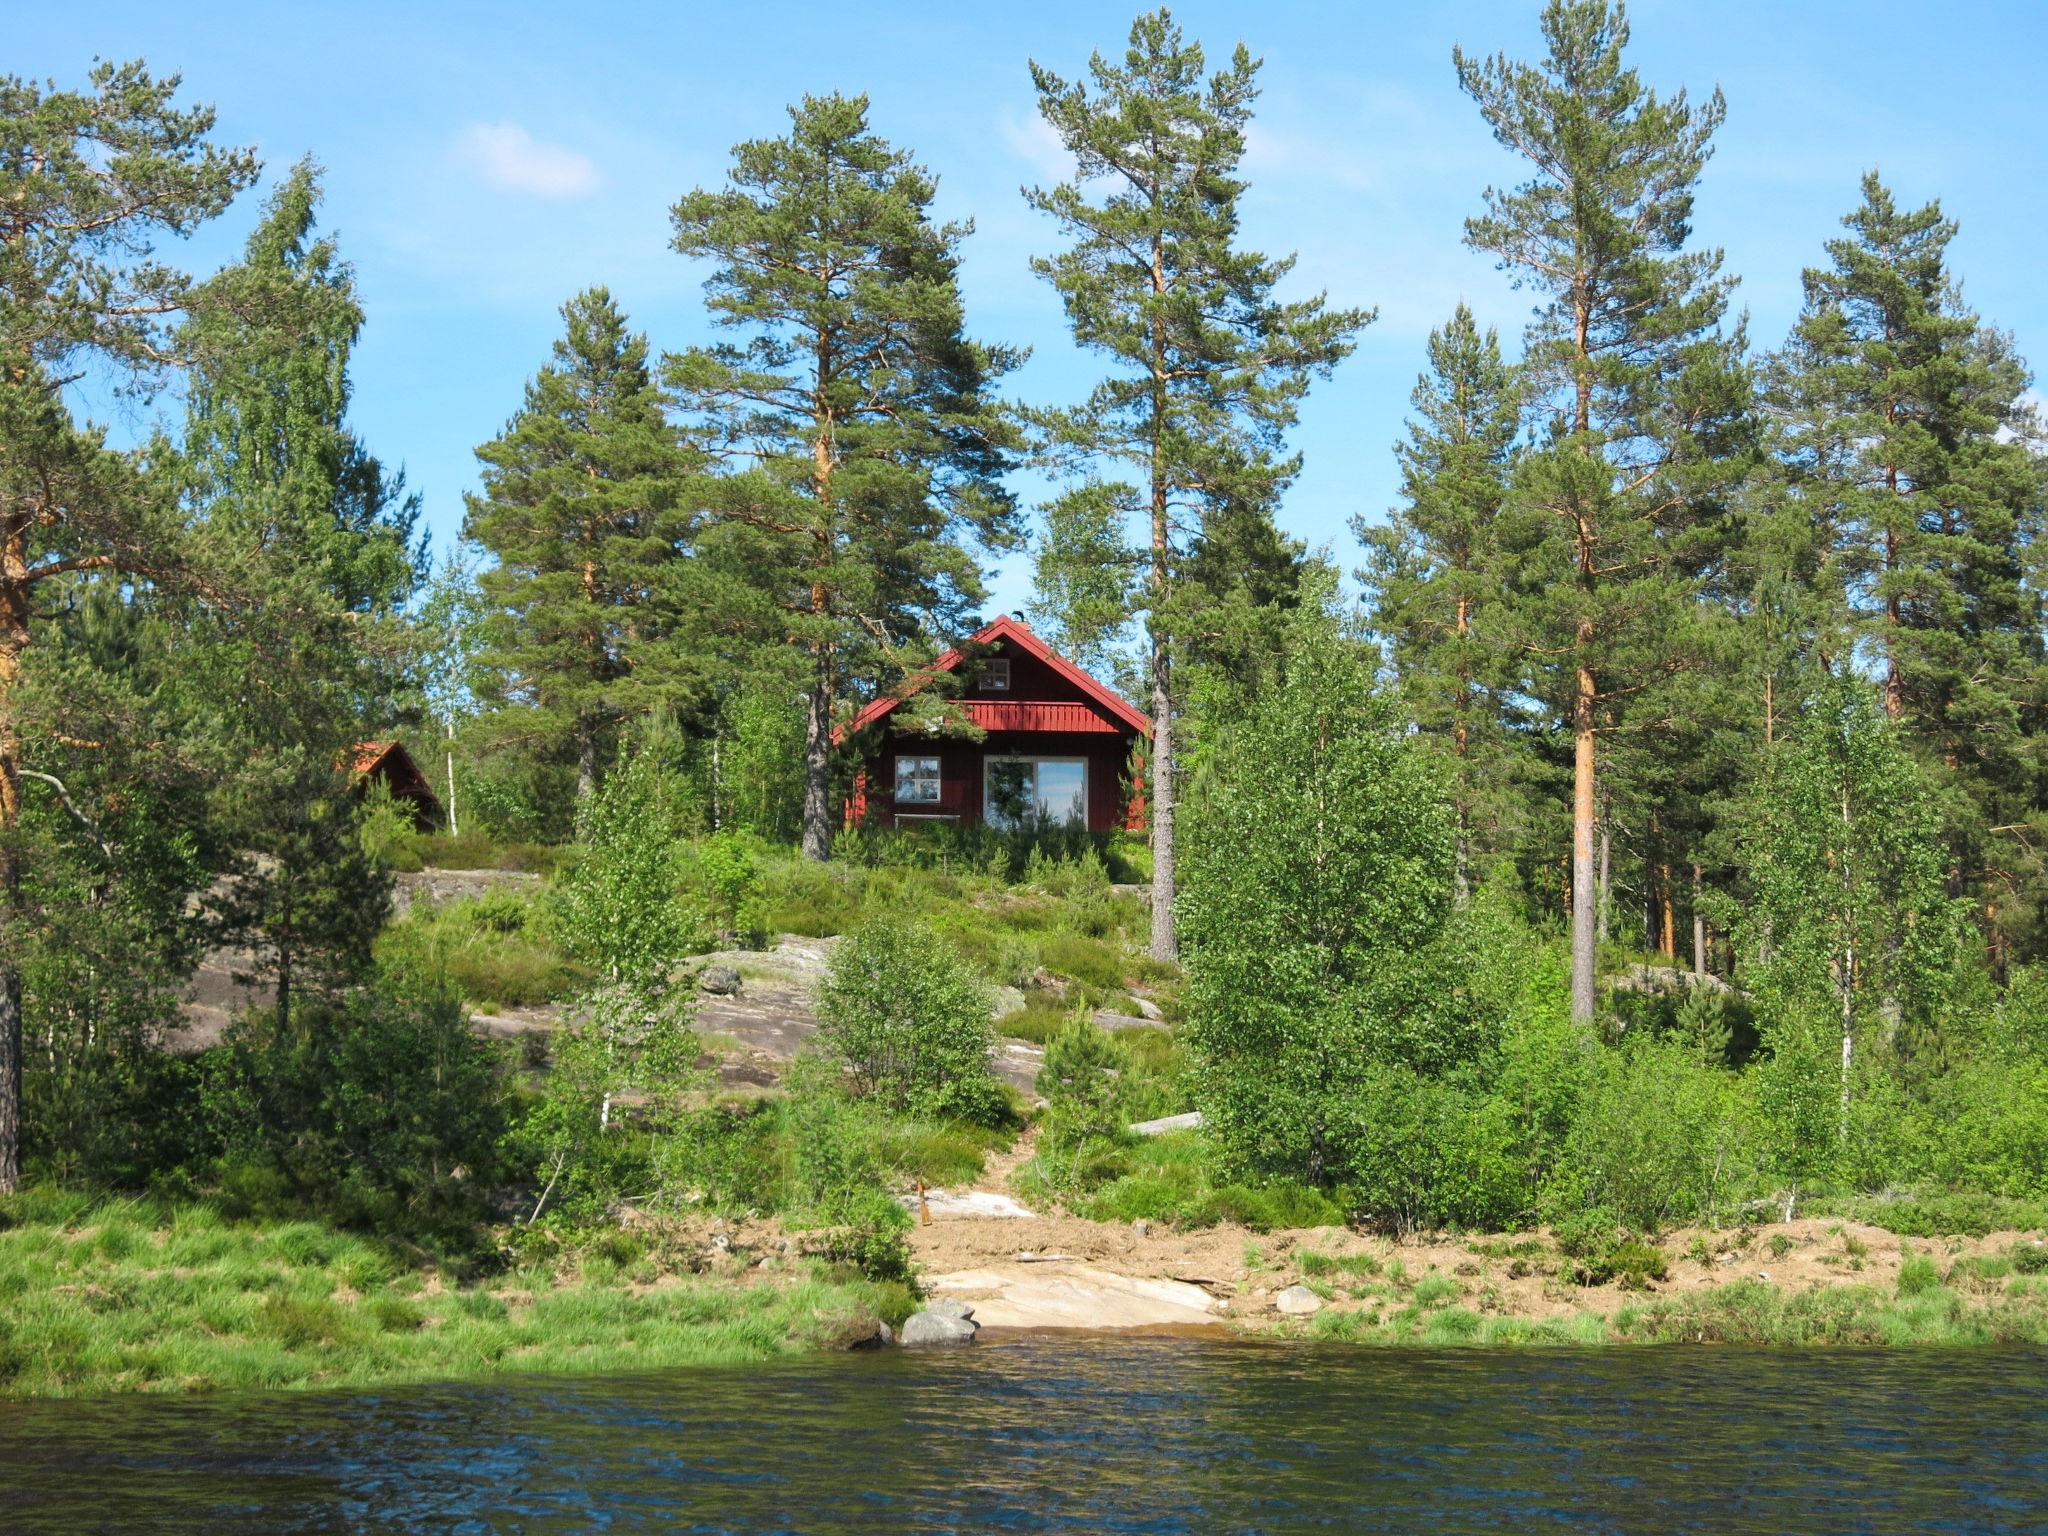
(1192, 1120)
(1074, 1295)
(954, 1204)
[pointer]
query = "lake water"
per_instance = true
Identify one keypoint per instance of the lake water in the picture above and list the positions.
(1074, 1434)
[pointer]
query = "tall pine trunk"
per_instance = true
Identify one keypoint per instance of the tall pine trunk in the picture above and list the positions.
(1585, 703)
(13, 644)
(1585, 917)
(1165, 942)
(1699, 926)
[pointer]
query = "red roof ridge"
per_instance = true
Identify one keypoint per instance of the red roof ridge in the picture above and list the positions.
(1018, 633)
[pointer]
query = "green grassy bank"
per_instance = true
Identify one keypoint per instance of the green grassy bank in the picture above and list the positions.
(136, 1296)
(1743, 1311)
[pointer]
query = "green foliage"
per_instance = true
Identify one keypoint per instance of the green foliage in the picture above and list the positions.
(1657, 1140)
(618, 914)
(910, 1022)
(1319, 865)
(725, 861)
(587, 605)
(864, 415)
(1080, 1082)
(381, 1106)
(834, 1177)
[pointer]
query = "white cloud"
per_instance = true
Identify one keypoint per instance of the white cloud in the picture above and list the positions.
(1031, 139)
(509, 157)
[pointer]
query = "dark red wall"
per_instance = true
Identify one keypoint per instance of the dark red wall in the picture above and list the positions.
(960, 773)
(960, 762)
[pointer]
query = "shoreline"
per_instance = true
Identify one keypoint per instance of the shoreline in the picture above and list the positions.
(183, 1300)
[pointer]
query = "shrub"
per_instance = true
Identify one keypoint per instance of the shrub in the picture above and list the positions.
(726, 861)
(385, 1094)
(1079, 1080)
(1421, 1153)
(1658, 1138)
(911, 1022)
(835, 1181)
(1917, 1275)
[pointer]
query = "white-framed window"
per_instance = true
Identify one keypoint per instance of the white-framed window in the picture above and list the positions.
(917, 781)
(995, 674)
(905, 819)
(1046, 791)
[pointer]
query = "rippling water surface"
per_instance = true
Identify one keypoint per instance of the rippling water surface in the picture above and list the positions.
(1082, 1434)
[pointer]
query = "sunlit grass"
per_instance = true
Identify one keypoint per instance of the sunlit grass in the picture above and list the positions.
(128, 1297)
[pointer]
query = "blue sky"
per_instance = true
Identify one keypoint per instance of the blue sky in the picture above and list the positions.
(487, 161)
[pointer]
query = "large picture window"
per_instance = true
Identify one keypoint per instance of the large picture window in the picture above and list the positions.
(1035, 791)
(917, 781)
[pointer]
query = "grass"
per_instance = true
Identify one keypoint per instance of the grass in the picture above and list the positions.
(1741, 1312)
(136, 1296)
(494, 948)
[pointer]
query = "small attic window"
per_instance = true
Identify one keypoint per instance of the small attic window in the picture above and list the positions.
(995, 674)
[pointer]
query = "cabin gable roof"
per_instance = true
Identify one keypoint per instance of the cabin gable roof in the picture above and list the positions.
(1099, 708)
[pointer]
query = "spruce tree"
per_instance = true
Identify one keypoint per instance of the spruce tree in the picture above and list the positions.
(1644, 394)
(1208, 367)
(586, 511)
(1905, 433)
(88, 179)
(855, 421)
(1434, 578)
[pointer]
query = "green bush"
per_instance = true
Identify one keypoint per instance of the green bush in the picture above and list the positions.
(1658, 1138)
(1420, 1152)
(1080, 1083)
(1918, 1275)
(911, 1023)
(835, 1180)
(384, 1096)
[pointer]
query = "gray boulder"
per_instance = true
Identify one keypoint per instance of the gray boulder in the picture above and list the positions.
(950, 1306)
(719, 980)
(1297, 1301)
(935, 1329)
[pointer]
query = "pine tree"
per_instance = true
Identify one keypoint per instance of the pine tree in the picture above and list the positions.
(1905, 427)
(1434, 575)
(586, 510)
(1645, 394)
(856, 421)
(317, 539)
(1209, 368)
(87, 180)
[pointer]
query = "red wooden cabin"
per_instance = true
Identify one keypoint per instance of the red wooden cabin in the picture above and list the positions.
(1057, 748)
(389, 764)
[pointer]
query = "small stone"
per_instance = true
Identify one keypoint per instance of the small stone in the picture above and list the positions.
(1142, 1227)
(935, 1329)
(1763, 1274)
(719, 981)
(1297, 1301)
(950, 1306)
